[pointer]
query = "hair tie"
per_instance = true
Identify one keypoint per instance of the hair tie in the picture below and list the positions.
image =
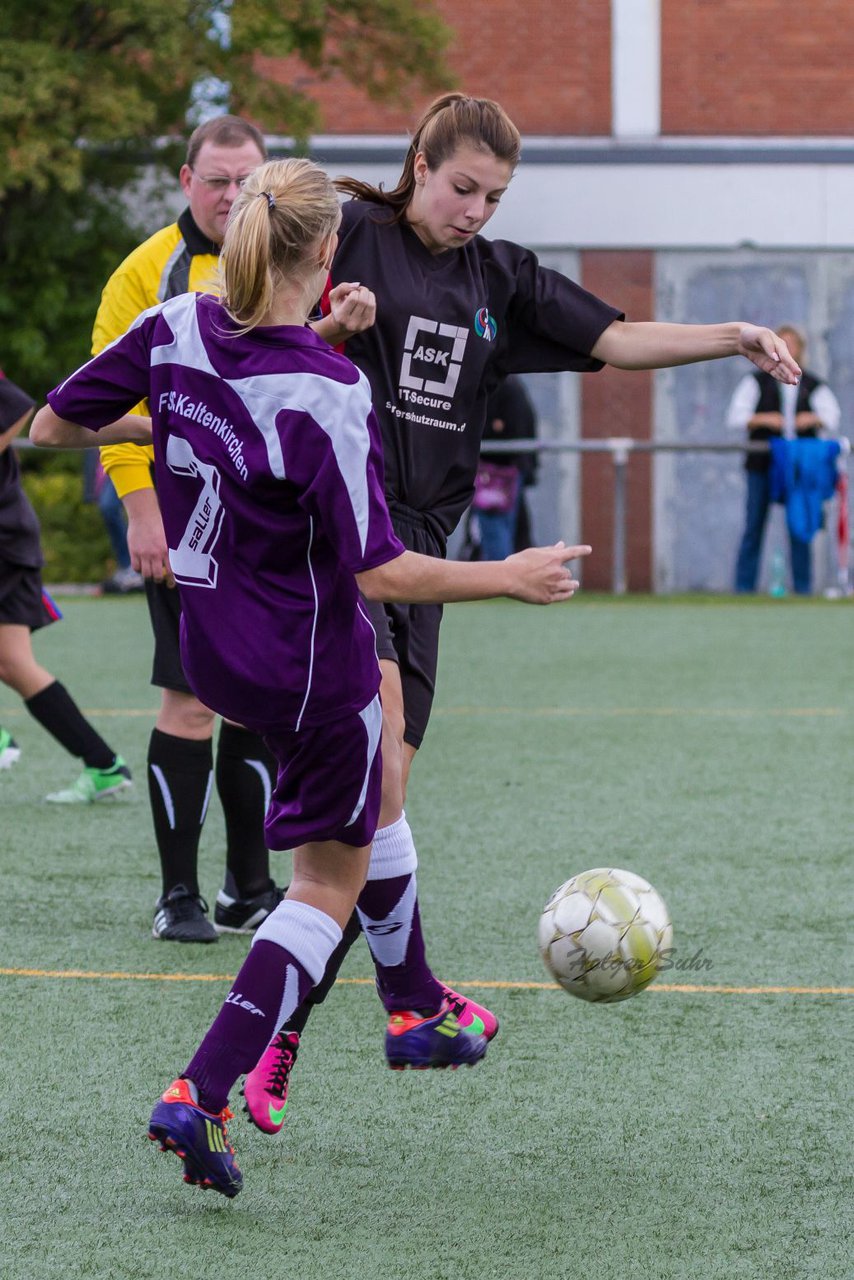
(270, 198)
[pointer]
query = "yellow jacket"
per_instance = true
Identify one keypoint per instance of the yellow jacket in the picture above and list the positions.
(177, 259)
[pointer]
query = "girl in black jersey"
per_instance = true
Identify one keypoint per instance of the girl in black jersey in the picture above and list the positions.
(25, 607)
(456, 313)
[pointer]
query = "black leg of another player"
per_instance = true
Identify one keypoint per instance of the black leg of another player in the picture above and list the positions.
(56, 711)
(245, 777)
(179, 776)
(319, 993)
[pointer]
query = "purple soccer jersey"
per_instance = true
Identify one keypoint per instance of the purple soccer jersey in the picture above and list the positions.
(268, 468)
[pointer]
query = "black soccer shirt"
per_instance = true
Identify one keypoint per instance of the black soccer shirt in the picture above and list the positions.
(19, 528)
(449, 327)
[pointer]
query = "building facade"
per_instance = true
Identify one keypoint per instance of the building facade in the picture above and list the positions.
(687, 160)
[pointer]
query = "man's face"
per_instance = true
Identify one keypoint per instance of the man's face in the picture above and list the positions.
(793, 342)
(211, 186)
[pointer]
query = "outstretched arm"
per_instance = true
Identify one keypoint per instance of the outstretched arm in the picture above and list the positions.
(651, 345)
(537, 576)
(53, 432)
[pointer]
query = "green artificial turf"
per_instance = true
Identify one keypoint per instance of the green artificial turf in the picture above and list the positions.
(682, 1135)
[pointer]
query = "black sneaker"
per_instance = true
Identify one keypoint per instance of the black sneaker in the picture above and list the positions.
(243, 915)
(181, 916)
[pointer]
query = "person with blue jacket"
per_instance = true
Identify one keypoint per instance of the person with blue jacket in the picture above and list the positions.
(767, 409)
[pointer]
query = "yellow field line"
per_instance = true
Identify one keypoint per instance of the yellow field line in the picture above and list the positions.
(743, 713)
(149, 712)
(688, 987)
(705, 712)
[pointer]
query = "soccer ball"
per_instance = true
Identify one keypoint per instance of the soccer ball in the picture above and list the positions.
(605, 934)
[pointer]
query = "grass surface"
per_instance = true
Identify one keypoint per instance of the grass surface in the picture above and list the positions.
(683, 1135)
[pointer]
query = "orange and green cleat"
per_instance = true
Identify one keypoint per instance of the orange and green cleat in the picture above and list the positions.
(412, 1040)
(197, 1137)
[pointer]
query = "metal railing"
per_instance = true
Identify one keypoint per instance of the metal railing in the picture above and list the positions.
(620, 449)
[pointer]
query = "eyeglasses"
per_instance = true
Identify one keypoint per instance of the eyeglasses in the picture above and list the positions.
(219, 183)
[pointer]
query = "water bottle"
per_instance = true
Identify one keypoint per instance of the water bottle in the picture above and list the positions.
(777, 588)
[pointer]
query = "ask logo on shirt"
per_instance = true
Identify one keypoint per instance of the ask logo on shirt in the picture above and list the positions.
(432, 357)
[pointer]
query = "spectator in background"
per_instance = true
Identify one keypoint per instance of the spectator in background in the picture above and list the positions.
(99, 488)
(510, 416)
(766, 408)
(24, 608)
(499, 506)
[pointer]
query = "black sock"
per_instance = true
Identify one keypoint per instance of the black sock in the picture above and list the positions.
(245, 776)
(318, 994)
(179, 785)
(56, 711)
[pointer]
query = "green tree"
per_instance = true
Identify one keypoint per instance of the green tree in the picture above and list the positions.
(85, 88)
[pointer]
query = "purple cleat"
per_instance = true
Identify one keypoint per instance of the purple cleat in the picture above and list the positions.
(197, 1137)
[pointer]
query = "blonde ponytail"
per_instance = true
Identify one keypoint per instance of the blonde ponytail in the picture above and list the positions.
(276, 231)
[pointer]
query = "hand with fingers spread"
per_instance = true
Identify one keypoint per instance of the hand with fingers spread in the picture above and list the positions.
(769, 353)
(540, 573)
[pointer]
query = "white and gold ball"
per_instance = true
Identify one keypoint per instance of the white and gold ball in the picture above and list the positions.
(605, 934)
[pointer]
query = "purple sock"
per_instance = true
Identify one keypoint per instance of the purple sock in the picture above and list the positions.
(388, 910)
(287, 956)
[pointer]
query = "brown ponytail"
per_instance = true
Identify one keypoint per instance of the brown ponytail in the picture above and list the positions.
(452, 121)
(276, 229)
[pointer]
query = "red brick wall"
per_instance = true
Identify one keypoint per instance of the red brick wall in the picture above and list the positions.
(616, 402)
(548, 62)
(757, 67)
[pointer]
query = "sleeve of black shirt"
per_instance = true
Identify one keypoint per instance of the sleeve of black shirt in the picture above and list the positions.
(552, 323)
(14, 403)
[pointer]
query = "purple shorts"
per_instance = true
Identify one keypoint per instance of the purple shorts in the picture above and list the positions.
(329, 782)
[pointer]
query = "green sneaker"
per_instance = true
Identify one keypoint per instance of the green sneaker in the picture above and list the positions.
(10, 752)
(95, 784)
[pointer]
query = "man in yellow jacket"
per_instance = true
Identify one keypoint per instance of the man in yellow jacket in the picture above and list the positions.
(180, 258)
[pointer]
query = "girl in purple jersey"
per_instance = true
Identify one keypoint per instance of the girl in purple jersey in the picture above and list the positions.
(269, 467)
(456, 313)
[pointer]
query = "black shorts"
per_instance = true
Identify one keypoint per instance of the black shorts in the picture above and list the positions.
(21, 599)
(164, 608)
(408, 634)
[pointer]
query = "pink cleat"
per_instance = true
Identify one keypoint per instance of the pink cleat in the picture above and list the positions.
(265, 1089)
(472, 1017)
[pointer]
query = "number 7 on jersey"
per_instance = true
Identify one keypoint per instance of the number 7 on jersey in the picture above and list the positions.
(191, 561)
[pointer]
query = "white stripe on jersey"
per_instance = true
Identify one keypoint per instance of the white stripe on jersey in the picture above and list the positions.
(186, 348)
(313, 621)
(372, 718)
(163, 283)
(340, 409)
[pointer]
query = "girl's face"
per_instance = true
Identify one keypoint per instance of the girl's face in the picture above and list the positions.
(454, 202)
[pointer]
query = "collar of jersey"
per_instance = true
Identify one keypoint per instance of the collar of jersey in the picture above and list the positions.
(433, 261)
(195, 240)
(278, 335)
(275, 335)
